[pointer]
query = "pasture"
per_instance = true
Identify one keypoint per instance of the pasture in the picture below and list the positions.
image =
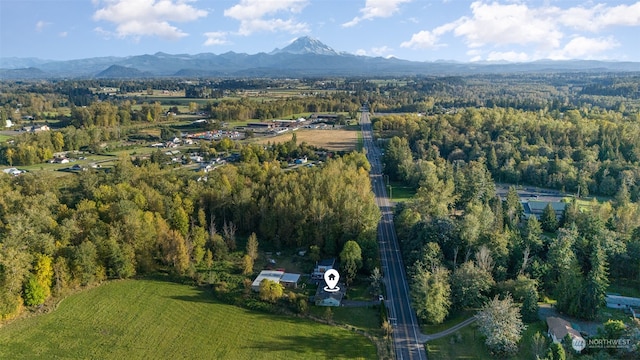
(155, 319)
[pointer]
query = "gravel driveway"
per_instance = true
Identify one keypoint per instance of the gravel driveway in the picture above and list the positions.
(589, 327)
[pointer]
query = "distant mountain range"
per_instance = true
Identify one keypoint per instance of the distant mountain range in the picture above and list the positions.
(302, 58)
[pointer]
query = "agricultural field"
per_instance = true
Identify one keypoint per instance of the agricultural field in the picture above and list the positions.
(335, 140)
(152, 319)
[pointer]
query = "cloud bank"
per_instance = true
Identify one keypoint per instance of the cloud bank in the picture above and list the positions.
(136, 18)
(541, 32)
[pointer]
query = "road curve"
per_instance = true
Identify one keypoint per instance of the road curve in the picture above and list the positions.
(406, 332)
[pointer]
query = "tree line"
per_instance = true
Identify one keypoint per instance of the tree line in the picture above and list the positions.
(593, 152)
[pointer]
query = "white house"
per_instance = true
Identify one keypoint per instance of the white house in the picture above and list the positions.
(60, 160)
(36, 128)
(13, 171)
(8, 123)
(322, 266)
(196, 158)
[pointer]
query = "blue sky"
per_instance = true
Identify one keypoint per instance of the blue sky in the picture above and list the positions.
(419, 30)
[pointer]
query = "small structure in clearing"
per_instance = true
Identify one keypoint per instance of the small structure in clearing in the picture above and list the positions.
(286, 279)
(559, 328)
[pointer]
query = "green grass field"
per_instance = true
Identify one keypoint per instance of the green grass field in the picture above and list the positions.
(468, 343)
(4, 138)
(452, 320)
(154, 319)
(400, 191)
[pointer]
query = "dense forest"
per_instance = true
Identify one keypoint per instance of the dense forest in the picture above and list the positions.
(463, 244)
(57, 234)
(590, 152)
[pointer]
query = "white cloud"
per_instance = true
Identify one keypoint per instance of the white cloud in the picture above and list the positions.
(499, 24)
(423, 40)
(600, 16)
(621, 15)
(137, 18)
(104, 33)
(381, 51)
(361, 52)
(584, 48)
(254, 15)
(215, 38)
(63, 34)
(40, 25)
(376, 9)
(539, 32)
(511, 56)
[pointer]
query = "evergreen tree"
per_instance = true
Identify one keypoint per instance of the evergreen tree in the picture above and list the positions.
(498, 211)
(532, 234)
(566, 273)
(529, 309)
(548, 219)
(492, 160)
(596, 283)
(570, 214)
(556, 352)
(514, 211)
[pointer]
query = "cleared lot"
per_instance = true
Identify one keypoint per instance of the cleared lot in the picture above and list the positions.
(335, 140)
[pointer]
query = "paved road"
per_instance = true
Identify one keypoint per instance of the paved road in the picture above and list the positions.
(406, 332)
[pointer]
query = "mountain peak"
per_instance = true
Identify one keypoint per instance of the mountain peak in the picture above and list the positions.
(306, 45)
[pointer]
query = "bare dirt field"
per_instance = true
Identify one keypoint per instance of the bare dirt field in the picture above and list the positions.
(335, 140)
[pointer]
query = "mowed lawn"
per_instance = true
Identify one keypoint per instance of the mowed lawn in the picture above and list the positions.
(153, 319)
(330, 139)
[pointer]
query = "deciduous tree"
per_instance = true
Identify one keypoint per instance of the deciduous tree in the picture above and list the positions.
(270, 291)
(351, 259)
(470, 286)
(247, 265)
(501, 324)
(431, 294)
(252, 246)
